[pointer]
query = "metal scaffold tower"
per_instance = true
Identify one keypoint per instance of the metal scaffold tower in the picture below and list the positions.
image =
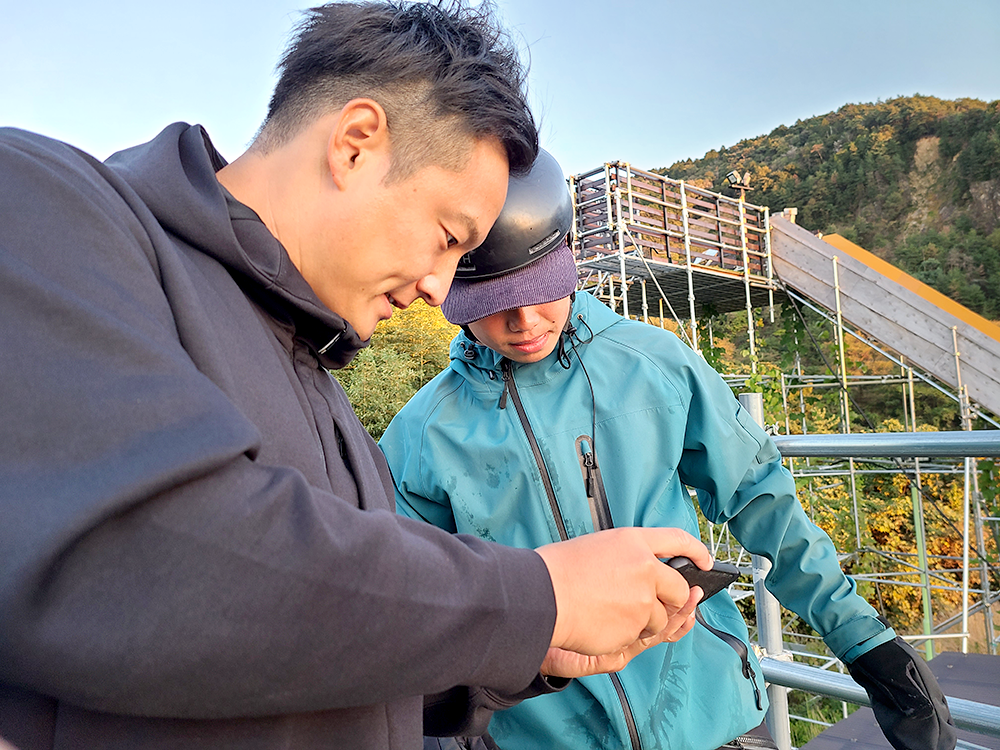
(653, 247)
(638, 235)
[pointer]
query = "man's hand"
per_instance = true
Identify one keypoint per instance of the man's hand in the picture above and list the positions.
(612, 590)
(562, 663)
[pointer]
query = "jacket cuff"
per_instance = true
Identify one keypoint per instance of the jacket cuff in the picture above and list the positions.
(466, 711)
(863, 648)
(541, 685)
(857, 636)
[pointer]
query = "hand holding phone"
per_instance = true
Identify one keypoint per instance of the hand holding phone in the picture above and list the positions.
(711, 581)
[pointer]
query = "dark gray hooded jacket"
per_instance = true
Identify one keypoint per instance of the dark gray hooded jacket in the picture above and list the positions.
(197, 543)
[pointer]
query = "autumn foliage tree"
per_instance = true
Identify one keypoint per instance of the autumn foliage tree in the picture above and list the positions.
(405, 353)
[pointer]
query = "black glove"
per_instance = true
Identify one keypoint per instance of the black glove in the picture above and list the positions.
(905, 696)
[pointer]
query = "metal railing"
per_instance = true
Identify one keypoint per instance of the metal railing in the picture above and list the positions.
(776, 665)
(976, 717)
(978, 443)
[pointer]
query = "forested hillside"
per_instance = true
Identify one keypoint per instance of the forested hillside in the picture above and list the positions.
(915, 180)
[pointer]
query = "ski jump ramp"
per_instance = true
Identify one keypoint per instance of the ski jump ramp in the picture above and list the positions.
(902, 313)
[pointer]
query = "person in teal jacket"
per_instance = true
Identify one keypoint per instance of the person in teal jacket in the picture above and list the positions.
(557, 417)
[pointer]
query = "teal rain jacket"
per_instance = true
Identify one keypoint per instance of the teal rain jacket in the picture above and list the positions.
(505, 452)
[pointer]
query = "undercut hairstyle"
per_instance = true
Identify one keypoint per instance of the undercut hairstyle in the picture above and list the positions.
(445, 74)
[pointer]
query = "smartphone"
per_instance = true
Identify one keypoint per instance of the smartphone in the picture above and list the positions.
(711, 581)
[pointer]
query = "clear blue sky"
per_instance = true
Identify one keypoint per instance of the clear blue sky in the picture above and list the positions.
(645, 81)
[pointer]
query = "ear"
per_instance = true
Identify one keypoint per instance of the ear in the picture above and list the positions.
(359, 141)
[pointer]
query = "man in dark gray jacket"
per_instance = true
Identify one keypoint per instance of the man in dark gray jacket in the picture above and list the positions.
(197, 540)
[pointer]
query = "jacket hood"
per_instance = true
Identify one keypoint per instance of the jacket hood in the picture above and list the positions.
(174, 175)
(474, 361)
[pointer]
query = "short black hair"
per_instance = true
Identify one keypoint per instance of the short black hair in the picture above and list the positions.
(437, 69)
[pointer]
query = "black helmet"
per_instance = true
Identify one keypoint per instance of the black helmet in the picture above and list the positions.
(535, 219)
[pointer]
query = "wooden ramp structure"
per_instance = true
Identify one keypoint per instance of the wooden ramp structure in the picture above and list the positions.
(938, 335)
(654, 247)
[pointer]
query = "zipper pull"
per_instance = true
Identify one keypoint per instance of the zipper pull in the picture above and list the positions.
(590, 483)
(748, 673)
(505, 371)
(588, 465)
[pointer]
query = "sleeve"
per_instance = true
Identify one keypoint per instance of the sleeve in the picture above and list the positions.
(466, 711)
(418, 493)
(737, 472)
(152, 565)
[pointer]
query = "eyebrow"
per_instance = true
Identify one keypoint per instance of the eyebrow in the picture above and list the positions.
(471, 229)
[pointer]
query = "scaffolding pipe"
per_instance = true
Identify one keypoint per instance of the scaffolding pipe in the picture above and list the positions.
(769, 615)
(784, 407)
(963, 400)
(845, 410)
(916, 491)
(751, 334)
(984, 569)
(913, 404)
(845, 414)
(610, 212)
(918, 527)
(575, 235)
(631, 202)
(770, 268)
(965, 558)
(907, 404)
(621, 247)
(690, 270)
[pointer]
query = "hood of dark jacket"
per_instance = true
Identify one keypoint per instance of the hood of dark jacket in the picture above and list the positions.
(174, 175)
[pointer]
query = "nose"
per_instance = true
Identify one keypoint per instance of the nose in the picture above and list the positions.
(433, 287)
(522, 318)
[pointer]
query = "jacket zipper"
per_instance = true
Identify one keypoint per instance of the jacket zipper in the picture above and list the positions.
(741, 650)
(601, 510)
(633, 731)
(510, 388)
